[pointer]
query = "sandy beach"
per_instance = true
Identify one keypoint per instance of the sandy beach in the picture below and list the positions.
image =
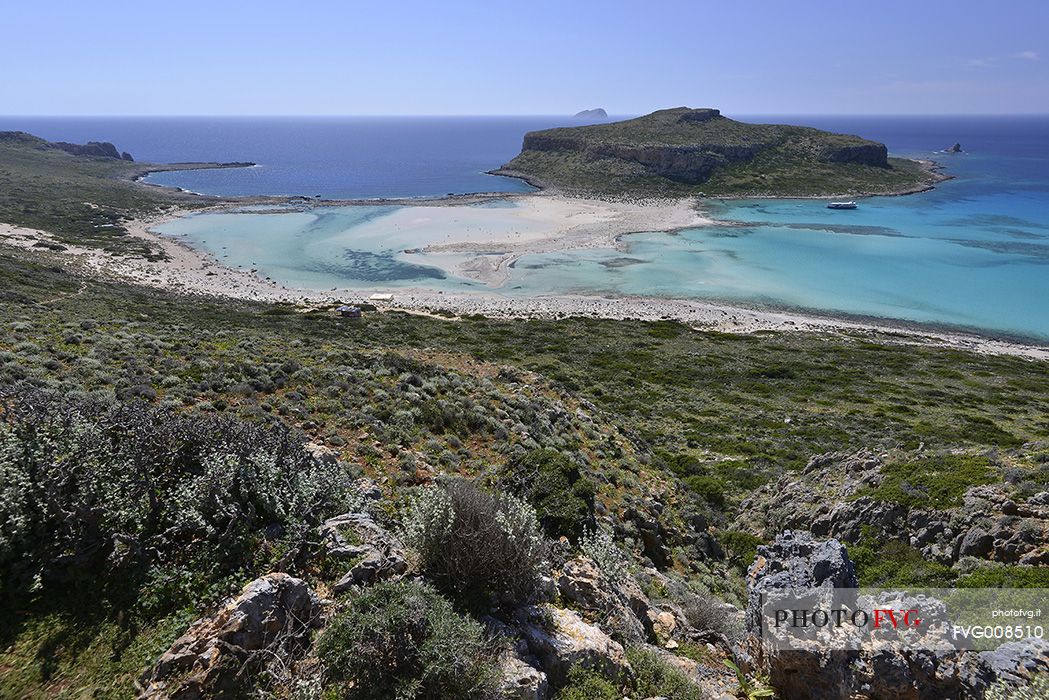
(481, 244)
(545, 223)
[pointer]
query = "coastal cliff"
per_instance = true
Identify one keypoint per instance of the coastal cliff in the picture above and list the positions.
(97, 149)
(683, 151)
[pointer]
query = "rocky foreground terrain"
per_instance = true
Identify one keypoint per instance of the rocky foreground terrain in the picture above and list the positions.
(580, 620)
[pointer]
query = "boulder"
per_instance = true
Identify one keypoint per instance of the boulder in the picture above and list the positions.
(1018, 662)
(1039, 499)
(937, 668)
(561, 640)
(582, 583)
(654, 536)
(847, 520)
(977, 542)
(270, 620)
(374, 553)
(522, 680)
(796, 560)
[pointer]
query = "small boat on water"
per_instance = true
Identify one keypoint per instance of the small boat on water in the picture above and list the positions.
(842, 205)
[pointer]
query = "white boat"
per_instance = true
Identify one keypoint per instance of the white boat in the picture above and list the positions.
(842, 205)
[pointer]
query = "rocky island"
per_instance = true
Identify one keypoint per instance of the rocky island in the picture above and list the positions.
(683, 152)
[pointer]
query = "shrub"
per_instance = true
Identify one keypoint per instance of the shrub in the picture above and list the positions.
(600, 547)
(474, 543)
(896, 563)
(1035, 689)
(936, 482)
(584, 684)
(654, 677)
(111, 493)
(701, 609)
(709, 487)
(562, 497)
(403, 640)
(1007, 577)
(741, 546)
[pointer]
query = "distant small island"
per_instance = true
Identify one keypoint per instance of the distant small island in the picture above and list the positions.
(598, 113)
(686, 152)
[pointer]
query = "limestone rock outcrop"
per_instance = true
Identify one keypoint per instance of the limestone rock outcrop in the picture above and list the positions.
(522, 680)
(272, 618)
(561, 640)
(98, 149)
(372, 553)
(828, 500)
(875, 670)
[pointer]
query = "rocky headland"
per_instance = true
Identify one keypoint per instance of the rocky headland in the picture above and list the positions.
(686, 151)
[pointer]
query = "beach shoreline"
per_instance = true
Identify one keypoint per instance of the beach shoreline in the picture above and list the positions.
(563, 221)
(190, 271)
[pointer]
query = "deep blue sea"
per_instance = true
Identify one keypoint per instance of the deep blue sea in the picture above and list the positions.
(330, 157)
(973, 253)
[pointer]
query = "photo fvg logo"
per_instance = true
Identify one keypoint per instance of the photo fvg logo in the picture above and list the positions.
(931, 619)
(838, 617)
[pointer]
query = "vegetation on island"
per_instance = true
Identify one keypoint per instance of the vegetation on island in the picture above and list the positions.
(158, 452)
(683, 152)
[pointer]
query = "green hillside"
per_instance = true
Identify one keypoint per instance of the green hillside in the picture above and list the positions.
(81, 199)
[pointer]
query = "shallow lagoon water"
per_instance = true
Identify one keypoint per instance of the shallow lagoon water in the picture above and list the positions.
(319, 248)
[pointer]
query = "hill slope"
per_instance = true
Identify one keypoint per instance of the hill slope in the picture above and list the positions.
(682, 151)
(82, 194)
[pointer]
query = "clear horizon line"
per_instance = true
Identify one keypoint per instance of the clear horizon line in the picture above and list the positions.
(528, 114)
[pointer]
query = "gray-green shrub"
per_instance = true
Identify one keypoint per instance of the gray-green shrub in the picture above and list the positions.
(404, 640)
(111, 493)
(475, 543)
(655, 677)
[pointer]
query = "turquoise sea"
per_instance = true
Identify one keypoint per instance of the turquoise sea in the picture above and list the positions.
(973, 253)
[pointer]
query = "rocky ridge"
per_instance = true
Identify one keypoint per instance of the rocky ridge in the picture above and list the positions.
(95, 149)
(585, 624)
(829, 499)
(677, 150)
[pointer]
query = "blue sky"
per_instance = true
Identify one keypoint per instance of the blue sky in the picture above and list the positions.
(536, 57)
